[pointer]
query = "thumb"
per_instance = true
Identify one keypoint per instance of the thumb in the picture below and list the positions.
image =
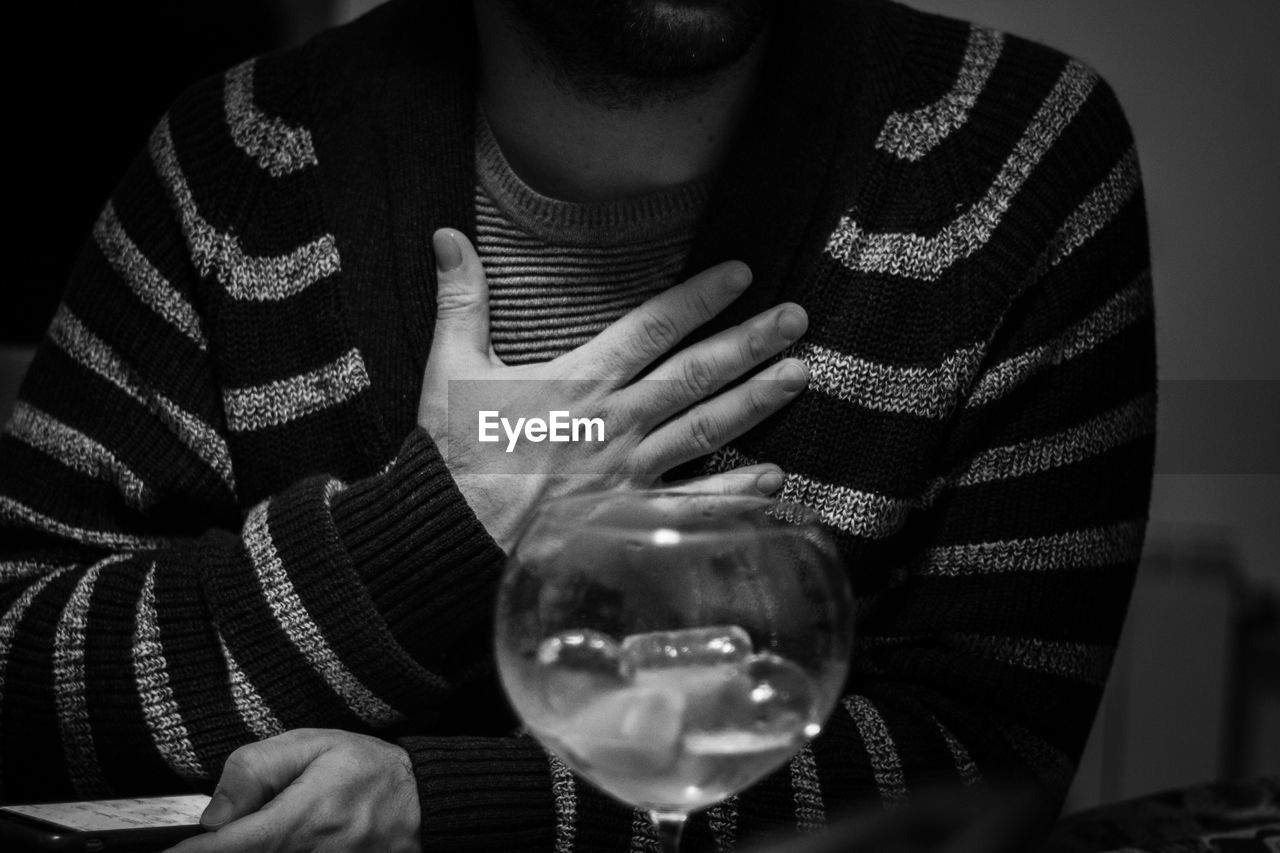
(462, 294)
(256, 772)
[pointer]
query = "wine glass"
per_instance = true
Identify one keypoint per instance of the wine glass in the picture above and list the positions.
(673, 648)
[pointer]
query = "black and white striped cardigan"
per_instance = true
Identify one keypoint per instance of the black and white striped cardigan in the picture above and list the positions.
(219, 521)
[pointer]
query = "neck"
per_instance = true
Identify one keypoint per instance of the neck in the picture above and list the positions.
(568, 148)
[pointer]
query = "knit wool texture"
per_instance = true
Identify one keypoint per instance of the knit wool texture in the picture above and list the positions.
(220, 520)
(560, 272)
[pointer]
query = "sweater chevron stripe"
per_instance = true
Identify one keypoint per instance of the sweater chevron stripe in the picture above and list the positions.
(219, 520)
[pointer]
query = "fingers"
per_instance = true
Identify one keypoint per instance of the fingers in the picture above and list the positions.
(707, 426)
(750, 480)
(646, 333)
(255, 773)
(271, 831)
(462, 295)
(697, 372)
(356, 793)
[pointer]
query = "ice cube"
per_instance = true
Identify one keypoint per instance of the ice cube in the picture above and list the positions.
(720, 644)
(767, 694)
(635, 731)
(576, 666)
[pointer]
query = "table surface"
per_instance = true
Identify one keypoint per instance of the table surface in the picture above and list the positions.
(1221, 817)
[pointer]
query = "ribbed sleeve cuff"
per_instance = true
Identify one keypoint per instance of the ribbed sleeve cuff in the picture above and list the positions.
(430, 566)
(483, 793)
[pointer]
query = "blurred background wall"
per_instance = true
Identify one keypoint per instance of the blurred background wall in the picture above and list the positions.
(1196, 690)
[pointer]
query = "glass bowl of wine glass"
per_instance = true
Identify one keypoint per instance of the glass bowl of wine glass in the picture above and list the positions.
(673, 648)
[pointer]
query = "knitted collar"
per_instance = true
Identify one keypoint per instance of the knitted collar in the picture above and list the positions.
(656, 215)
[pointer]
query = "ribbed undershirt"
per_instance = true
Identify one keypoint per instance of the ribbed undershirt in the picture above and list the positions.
(559, 272)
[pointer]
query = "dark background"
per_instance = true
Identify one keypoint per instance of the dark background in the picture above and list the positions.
(89, 80)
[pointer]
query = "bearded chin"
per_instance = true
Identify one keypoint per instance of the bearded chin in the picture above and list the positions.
(629, 52)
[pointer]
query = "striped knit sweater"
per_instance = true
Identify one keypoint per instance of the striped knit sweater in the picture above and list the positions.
(220, 522)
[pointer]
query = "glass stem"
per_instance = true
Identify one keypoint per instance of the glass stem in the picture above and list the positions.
(670, 826)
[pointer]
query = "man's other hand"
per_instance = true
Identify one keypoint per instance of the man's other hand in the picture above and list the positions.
(312, 789)
(663, 405)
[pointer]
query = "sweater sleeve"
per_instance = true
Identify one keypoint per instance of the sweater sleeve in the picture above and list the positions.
(982, 659)
(150, 624)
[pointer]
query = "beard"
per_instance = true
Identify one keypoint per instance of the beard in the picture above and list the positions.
(633, 53)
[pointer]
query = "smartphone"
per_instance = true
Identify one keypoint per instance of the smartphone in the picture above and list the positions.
(132, 825)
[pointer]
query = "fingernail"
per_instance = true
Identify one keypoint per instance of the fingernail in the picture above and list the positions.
(792, 322)
(217, 812)
(448, 252)
(738, 277)
(769, 482)
(793, 376)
